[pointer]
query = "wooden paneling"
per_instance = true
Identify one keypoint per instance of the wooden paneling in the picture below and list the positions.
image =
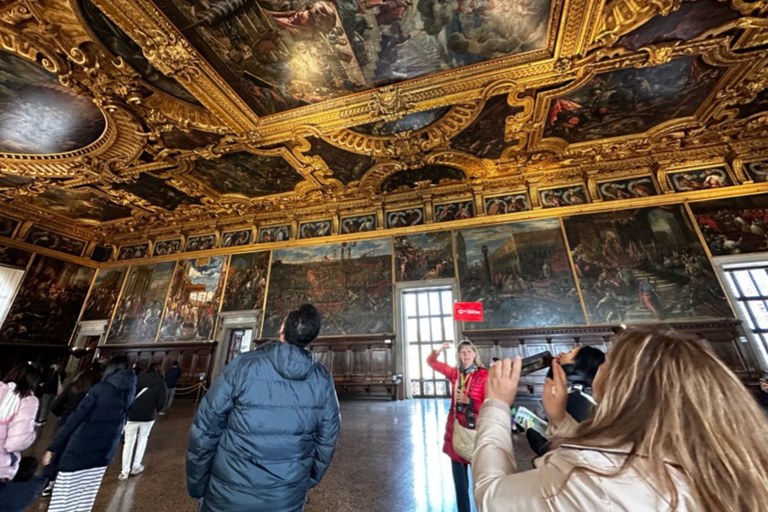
(193, 358)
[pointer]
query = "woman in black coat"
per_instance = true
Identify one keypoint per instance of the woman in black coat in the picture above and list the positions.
(88, 440)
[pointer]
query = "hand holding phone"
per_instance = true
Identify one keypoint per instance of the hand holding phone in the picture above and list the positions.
(536, 362)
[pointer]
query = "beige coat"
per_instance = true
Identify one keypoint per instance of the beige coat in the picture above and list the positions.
(498, 487)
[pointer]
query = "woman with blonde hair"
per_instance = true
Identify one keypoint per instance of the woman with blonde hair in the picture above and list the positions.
(674, 430)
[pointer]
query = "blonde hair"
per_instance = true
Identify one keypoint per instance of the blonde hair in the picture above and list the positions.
(467, 343)
(671, 399)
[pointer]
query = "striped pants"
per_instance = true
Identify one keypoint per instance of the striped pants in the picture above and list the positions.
(76, 491)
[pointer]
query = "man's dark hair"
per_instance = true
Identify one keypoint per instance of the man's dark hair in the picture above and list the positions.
(153, 368)
(302, 326)
(26, 377)
(117, 363)
(175, 364)
(587, 361)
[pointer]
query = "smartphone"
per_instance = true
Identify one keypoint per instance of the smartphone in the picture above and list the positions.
(536, 362)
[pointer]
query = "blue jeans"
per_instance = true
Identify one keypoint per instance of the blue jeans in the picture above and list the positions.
(461, 482)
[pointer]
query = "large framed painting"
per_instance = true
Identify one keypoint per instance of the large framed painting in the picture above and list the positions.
(563, 196)
(48, 302)
(349, 283)
(14, 257)
(246, 281)
(104, 292)
(630, 188)
(406, 217)
(236, 238)
(130, 252)
(424, 256)
(507, 203)
(735, 225)
(520, 272)
(316, 228)
(274, 233)
(358, 224)
(700, 179)
(166, 247)
(7, 226)
(454, 211)
(57, 242)
(193, 303)
(200, 243)
(643, 265)
(138, 313)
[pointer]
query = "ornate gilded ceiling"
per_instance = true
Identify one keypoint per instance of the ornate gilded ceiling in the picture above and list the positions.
(123, 121)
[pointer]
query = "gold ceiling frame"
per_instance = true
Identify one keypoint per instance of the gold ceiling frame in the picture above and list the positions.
(166, 48)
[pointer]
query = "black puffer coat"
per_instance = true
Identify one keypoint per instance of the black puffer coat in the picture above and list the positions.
(91, 434)
(150, 397)
(265, 433)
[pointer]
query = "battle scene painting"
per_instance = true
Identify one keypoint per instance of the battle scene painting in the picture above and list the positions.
(274, 234)
(120, 44)
(484, 137)
(509, 203)
(236, 238)
(165, 247)
(566, 196)
(315, 229)
(358, 224)
(521, 274)
(644, 265)
(424, 256)
(7, 226)
(700, 179)
(193, 302)
(629, 101)
(55, 241)
(247, 174)
(138, 313)
(157, 192)
(627, 189)
(14, 257)
(104, 292)
(246, 281)
(758, 171)
(735, 225)
(130, 252)
(434, 174)
(349, 283)
(411, 122)
(200, 243)
(38, 115)
(407, 217)
(283, 55)
(48, 302)
(689, 21)
(80, 204)
(346, 166)
(454, 211)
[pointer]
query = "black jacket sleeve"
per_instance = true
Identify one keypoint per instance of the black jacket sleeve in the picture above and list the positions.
(75, 419)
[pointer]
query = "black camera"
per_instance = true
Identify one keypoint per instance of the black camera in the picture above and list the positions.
(468, 413)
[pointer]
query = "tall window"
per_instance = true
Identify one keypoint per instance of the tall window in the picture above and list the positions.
(10, 278)
(427, 313)
(748, 286)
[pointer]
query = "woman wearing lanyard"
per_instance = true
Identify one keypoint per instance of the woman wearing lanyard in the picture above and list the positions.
(468, 385)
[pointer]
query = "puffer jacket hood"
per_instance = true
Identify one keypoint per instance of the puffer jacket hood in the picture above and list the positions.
(290, 361)
(122, 380)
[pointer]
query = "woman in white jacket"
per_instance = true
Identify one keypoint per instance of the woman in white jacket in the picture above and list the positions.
(674, 430)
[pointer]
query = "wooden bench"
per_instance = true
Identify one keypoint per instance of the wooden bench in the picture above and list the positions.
(346, 386)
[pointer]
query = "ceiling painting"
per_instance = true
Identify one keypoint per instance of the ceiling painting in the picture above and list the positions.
(188, 139)
(157, 192)
(410, 122)
(81, 204)
(247, 174)
(484, 137)
(433, 174)
(40, 116)
(346, 166)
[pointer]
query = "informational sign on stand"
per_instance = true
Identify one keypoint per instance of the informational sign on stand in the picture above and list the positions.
(468, 311)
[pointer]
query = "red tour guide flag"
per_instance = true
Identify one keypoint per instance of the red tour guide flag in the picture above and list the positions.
(468, 311)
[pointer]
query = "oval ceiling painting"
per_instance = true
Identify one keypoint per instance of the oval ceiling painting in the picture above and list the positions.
(39, 115)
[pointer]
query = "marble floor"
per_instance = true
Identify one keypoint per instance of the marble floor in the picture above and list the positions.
(389, 459)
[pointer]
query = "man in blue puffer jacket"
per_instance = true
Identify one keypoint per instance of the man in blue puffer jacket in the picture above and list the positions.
(266, 431)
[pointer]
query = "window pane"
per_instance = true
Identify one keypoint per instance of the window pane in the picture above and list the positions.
(412, 330)
(416, 387)
(437, 329)
(429, 388)
(424, 331)
(745, 283)
(441, 388)
(744, 314)
(759, 311)
(761, 278)
(423, 304)
(447, 297)
(414, 361)
(450, 335)
(434, 303)
(410, 304)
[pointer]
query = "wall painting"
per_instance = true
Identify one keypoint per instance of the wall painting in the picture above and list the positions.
(104, 292)
(735, 225)
(55, 241)
(274, 234)
(165, 247)
(315, 229)
(14, 257)
(508, 203)
(358, 224)
(407, 217)
(130, 252)
(7, 226)
(454, 211)
(350, 283)
(246, 282)
(631, 188)
(236, 238)
(758, 171)
(565, 196)
(424, 256)
(700, 179)
(200, 243)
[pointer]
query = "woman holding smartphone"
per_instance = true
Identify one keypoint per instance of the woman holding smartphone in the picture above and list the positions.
(468, 380)
(674, 430)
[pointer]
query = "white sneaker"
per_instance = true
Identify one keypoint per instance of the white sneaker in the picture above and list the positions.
(137, 470)
(123, 477)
